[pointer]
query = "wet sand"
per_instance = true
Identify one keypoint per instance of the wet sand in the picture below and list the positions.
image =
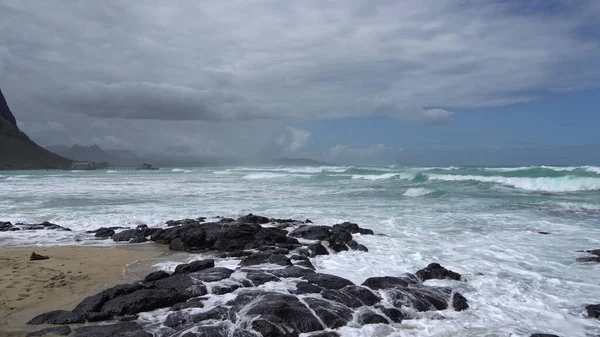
(28, 288)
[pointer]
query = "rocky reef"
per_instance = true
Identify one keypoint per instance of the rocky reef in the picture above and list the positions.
(256, 279)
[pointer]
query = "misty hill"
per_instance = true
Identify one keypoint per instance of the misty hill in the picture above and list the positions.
(18, 152)
(299, 162)
(94, 153)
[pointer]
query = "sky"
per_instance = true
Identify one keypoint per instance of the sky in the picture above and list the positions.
(439, 82)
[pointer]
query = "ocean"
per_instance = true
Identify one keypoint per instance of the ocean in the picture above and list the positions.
(482, 222)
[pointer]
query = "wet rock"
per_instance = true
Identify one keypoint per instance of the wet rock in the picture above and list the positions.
(57, 317)
(459, 302)
(191, 303)
(589, 259)
(123, 329)
(352, 296)
(176, 320)
(7, 227)
(37, 257)
(212, 274)
(326, 334)
(317, 249)
(194, 266)
(327, 281)
(55, 331)
(128, 235)
(544, 233)
(594, 252)
(41, 226)
(305, 264)
(292, 271)
(593, 310)
(370, 317)
(261, 277)
(338, 247)
(104, 232)
(307, 288)
(352, 228)
(277, 312)
(94, 303)
(357, 246)
(208, 331)
(218, 313)
(393, 314)
(341, 237)
(421, 298)
(255, 219)
(334, 315)
(157, 275)
(225, 289)
(310, 232)
(387, 282)
(265, 258)
(436, 271)
(140, 301)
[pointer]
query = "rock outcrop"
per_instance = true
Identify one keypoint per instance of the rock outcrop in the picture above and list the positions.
(18, 152)
(273, 291)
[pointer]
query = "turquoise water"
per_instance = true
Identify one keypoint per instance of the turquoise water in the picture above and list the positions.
(481, 222)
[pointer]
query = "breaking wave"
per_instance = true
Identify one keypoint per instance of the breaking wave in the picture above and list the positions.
(417, 192)
(541, 184)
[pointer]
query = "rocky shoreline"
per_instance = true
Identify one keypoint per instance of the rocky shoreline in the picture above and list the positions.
(273, 290)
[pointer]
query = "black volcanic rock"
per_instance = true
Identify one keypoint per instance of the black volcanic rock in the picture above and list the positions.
(57, 317)
(18, 152)
(593, 310)
(55, 331)
(436, 271)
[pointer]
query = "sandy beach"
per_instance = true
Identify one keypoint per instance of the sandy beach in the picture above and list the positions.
(28, 288)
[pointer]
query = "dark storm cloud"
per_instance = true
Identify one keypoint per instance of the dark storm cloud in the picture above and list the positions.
(286, 60)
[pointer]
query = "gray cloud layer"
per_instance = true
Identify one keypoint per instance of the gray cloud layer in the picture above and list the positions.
(222, 61)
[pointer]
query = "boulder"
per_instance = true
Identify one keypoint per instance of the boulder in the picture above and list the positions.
(393, 314)
(254, 219)
(334, 315)
(194, 266)
(55, 331)
(370, 317)
(459, 302)
(212, 274)
(94, 303)
(352, 228)
(104, 232)
(260, 277)
(122, 329)
(436, 271)
(276, 312)
(387, 282)
(420, 298)
(139, 301)
(310, 232)
(317, 249)
(327, 281)
(291, 271)
(37, 257)
(57, 317)
(157, 275)
(195, 302)
(266, 258)
(593, 310)
(307, 288)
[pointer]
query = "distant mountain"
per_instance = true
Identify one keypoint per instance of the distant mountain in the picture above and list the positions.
(18, 152)
(300, 162)
(94, 153)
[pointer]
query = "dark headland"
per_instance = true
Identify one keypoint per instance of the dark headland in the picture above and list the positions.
(18, 152)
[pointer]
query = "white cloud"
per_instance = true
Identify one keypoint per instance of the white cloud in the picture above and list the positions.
(293, 139)
(295, 61)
